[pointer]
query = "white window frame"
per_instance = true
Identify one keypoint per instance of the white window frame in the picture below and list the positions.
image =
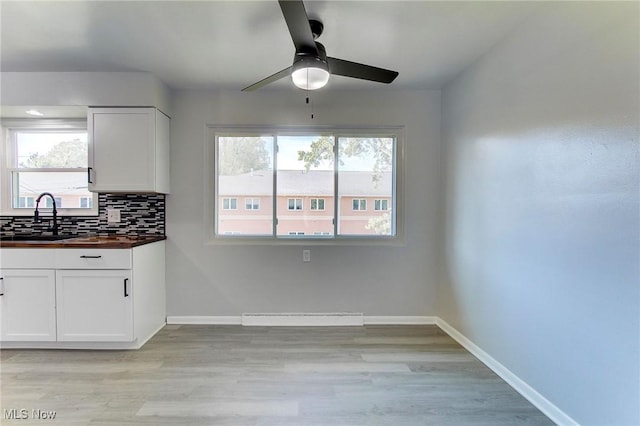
(379, 201)
(362, 202)
(397, 202)
(317, 200)
(86, 198)
(229, 199)
(252, 202)
(8, 147)
(295, 204)
(26, 202)
(48, 204)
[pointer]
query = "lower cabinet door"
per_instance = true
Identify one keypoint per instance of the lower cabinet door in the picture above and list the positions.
(27, 305)
(94, 305)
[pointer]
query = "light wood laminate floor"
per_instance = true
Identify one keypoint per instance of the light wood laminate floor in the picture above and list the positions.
(289, 376)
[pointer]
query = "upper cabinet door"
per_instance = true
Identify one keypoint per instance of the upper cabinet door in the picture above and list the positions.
(128, 150)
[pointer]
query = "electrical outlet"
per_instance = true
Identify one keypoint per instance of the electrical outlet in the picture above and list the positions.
(113, 216)
(306, 255)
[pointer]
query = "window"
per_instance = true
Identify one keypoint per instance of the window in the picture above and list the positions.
(45, 156)
(244, 168)
(49, 204)
(26, 202)
(317, 204)
(359, 204)
(230, 203)
(381, 205)
(252, 203)
(314, 184)
(295, 204)
(86, 202)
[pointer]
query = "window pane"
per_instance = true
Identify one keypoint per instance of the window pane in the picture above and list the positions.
(365, 173)
(68, 188)
(252, 204)
(245, 170)
(305, 172)
(317, 204)
(86, 202)
(51, 149)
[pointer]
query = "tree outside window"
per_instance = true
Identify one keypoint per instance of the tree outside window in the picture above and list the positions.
(334, 174)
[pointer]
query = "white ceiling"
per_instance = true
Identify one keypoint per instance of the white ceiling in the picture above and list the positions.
(231, 44)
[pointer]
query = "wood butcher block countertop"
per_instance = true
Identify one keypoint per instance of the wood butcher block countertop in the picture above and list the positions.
(94, 241)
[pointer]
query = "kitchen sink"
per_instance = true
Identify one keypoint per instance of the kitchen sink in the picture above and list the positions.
(35, 237)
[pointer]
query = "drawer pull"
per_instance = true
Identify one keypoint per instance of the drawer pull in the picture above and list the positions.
(126, 293)
(2, 294)
(90, 257)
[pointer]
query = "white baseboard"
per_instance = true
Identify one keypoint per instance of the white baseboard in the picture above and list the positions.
(204, 320)
(547, 407)
(399, 320)
(303, 319)
(316, 320)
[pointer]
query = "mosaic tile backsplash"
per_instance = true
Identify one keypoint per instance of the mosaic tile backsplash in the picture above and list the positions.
(140, 214)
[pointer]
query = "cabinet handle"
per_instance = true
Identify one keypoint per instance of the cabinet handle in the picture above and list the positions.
(126, 293)
(2, 291)
(90, 257)
(89, 174)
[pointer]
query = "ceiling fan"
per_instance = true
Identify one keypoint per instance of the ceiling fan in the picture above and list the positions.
(312, 67)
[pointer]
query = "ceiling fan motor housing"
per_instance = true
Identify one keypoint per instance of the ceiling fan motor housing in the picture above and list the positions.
(310, 71)
(311, 59)
(316, 28)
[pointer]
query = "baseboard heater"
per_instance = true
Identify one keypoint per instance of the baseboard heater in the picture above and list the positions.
(304, 319)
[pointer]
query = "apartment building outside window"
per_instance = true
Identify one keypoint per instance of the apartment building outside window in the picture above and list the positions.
(307, 184)
(45, 156)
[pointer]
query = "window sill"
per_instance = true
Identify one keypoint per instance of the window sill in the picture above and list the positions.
(293, 241)
(46, 214)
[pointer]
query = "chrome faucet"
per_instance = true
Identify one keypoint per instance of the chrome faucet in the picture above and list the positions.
(36, 214)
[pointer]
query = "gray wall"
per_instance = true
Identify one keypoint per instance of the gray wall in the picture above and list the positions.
(228, 280)
(540, 157)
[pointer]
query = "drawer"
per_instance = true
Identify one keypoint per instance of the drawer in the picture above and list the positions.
(28, 258)
(93, 258)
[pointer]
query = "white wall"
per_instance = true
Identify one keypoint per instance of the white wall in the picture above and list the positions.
(223, 280)
(540, 152)
(83, 89)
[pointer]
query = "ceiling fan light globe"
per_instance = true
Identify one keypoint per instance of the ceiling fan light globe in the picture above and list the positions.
(310, 78)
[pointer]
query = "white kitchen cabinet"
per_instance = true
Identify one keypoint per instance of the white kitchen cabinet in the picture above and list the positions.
(27, 305)
(94, 305)
(82, 298)
(128, 150)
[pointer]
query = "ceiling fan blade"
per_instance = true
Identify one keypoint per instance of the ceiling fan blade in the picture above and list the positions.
(298, 23)
(274, 77)
(364, 72)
